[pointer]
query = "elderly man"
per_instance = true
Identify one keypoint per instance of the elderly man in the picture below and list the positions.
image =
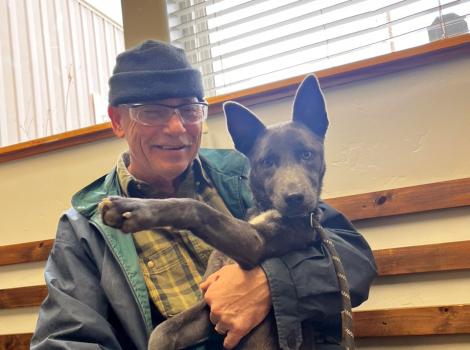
(109, 290)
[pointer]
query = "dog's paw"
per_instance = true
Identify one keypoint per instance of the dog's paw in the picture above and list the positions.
(266, 218)
(127, 214)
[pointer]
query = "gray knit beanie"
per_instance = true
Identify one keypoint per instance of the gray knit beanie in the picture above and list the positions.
(152, 71)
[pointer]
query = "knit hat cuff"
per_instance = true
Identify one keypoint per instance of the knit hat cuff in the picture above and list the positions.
(147, 86)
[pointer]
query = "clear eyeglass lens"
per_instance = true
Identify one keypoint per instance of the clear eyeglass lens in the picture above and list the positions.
(159, 115)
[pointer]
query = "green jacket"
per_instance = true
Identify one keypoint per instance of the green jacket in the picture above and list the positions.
(98, 299)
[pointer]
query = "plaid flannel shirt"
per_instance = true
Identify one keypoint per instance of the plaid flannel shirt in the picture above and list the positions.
(172, 261)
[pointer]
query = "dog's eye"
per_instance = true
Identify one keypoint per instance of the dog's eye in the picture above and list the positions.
(306, 155)
(267, 162)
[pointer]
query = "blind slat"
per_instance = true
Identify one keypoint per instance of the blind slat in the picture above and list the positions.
(192, 8)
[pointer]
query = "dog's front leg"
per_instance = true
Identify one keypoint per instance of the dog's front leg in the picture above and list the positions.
(136, 214)
(236, 238)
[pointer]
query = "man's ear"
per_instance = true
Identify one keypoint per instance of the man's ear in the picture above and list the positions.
(116, 121)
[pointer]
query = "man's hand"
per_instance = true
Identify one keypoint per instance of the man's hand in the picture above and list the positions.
(239, 300)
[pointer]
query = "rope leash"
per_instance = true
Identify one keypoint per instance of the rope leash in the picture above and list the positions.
(346, 313)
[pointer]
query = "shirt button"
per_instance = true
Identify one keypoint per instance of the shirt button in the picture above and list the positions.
(151, 264)
(291, 340)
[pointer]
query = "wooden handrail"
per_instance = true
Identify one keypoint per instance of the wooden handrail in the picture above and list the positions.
(429, 320)
(25, 252)
(22, 297)
(436, 51)
(15, 341)
(390, 262)
(405, 200)
(423, 258)
(55, 142)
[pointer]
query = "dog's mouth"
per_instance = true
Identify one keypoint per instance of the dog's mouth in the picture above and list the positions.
(300, 207)
(297, 211)
(296, 215)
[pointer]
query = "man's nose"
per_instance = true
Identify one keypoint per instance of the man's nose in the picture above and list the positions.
(175, 124)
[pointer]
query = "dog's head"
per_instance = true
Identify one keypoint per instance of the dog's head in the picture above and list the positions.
(287, 161)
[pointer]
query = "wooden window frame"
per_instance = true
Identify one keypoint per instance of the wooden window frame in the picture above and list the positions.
(437, 51)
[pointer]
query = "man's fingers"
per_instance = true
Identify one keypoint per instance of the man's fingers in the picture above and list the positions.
(220, 329)
(209, 280)
(213, 318)
(238, 299)
(231, 340)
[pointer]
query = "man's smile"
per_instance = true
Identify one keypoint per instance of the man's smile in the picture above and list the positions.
(171, 147)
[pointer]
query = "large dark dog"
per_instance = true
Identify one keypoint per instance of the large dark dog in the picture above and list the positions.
(287, 168)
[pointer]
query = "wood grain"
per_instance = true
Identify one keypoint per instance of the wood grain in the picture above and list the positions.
(450, 319)
(55, 142)
(25, 252)
(405, 200)
(423, 258)
(22, 297)
(15, 341)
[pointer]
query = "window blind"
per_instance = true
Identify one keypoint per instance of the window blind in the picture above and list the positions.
(237, 44)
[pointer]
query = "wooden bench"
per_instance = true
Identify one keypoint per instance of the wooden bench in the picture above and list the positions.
(429, 320)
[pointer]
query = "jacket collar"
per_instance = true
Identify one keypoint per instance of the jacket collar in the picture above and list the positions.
(229, 172)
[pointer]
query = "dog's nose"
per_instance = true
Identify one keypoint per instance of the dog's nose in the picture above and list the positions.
(294, 199)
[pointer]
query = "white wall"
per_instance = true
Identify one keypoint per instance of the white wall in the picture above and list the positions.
(398, 130)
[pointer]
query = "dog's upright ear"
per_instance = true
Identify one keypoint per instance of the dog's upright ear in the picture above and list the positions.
(309, 106)
(243, 126)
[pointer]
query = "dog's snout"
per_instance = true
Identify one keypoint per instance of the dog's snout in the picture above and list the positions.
(294, 199)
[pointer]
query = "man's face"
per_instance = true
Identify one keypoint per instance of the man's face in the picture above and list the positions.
(158, 153)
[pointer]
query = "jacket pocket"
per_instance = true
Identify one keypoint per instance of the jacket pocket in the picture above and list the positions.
(295, 258)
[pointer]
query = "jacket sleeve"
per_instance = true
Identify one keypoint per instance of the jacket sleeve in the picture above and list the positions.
(304, 285)
(75, 313)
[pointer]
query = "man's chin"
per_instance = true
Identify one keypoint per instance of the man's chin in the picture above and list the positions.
(172, 171)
